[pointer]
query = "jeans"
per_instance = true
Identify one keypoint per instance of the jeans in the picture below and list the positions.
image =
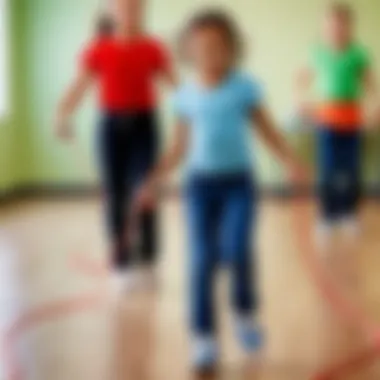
(339, 161)
(128, 146)
(220, 212)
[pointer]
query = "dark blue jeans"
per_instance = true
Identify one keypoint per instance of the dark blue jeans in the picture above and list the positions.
(339, 161)
(220, 213)
(128, 146)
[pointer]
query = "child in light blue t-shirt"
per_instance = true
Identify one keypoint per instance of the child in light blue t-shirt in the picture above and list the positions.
(219, 140)
(216, 111)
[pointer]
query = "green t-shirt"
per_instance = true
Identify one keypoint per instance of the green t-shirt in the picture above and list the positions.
(339, 74)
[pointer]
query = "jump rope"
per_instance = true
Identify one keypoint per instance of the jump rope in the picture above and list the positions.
(348, 312)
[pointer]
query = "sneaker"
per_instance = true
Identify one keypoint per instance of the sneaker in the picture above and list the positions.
(124, 281)
(350, 226)
(323, 234)
(148, 278)
(249, 334)
(204, 354)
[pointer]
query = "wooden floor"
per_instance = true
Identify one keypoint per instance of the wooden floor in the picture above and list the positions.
(67, 330)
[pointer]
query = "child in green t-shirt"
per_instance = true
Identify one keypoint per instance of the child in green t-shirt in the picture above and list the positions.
(339, 73)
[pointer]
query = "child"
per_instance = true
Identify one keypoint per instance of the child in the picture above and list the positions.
(339, 71)
(124, 62)
(214, 111)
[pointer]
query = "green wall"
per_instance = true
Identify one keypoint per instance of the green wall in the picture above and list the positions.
(48, 35)
(5, 156)
(15, 127)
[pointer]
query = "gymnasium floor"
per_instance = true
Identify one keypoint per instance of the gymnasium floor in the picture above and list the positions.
(58, 323)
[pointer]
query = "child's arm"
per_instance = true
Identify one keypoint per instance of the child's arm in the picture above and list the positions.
(165, 65)
(168, 162)
(372, 97)
(169, 76)
(370, 82)
(173, 156)
(71, 101)
(304, 79)
(277, 143)
(303, 82)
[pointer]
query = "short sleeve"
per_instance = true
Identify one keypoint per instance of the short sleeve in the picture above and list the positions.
(364, 60)
(180, 104)
(162, 61)
(90, 57)
(252, 94)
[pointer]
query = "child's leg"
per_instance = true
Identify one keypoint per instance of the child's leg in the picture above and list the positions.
(352, 165)
(340, 176)
(351, 194)
(113, 155)
(144, 149)
(202, 222)
(236, 233)
(238, 220)
(202, 213)
(328, 173)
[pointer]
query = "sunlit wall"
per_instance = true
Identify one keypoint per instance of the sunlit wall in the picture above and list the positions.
(50, 33)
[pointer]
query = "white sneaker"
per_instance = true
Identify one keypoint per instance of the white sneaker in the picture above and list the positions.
(204, 354)
(148, 278)
(323, 234)
(350, 227)
(249, 334)
(124, 281)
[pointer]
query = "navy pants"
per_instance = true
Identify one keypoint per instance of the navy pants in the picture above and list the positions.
(128, 147)
(339, 160)
(220, 213)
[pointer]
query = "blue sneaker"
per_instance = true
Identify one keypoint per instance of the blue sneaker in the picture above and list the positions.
(205, 354)
(249, 334)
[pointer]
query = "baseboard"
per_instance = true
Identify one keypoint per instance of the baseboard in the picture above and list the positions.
(69, 192)
(36, 192)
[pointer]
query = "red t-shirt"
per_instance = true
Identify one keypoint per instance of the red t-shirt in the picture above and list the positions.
(126, 71)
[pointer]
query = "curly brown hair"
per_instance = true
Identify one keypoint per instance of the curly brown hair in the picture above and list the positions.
(213, 18)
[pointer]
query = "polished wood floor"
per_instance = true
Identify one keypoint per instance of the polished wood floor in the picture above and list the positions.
(144, 336)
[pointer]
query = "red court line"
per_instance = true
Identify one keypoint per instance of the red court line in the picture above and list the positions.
(348, 312)
(343, 307)
(350, 365)
(52, 311)
(89, 267)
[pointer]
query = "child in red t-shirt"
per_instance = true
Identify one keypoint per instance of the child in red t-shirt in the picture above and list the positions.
(125, 63)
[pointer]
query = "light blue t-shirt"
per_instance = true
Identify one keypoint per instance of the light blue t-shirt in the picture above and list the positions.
(219, 123)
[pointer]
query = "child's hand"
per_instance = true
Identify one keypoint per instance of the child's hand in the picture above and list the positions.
(64, 129)
(374, 122)
(298, 173)
(146, 196)
(305, 111)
